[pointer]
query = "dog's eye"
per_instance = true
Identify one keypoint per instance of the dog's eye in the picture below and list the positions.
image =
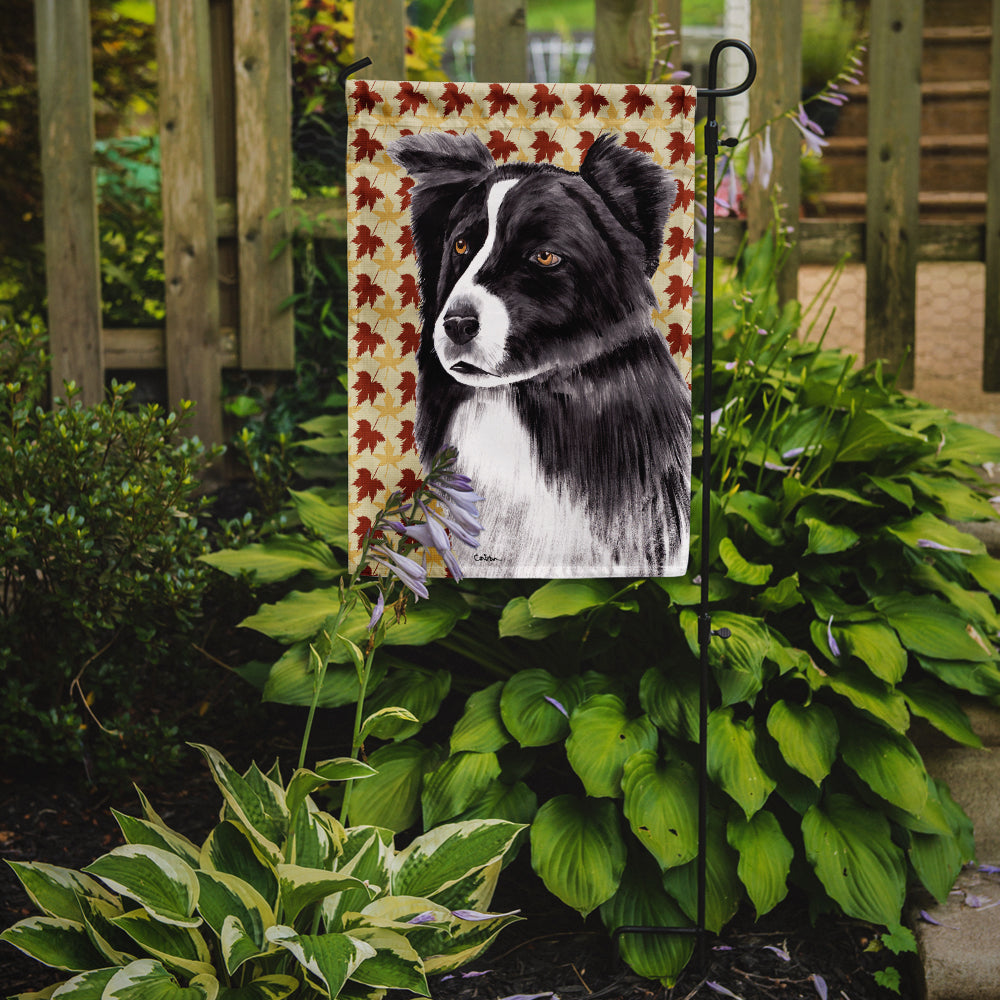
(546, 258)
(461, 246)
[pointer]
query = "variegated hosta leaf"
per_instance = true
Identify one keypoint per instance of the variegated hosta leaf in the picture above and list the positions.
(177, 947)
(275, 987)
(578, 851)
(86, 986)
(315, 838)
(807, 736)
(329, 959)
(395, 964)
(602, 737)
(661, 799)
(481, 728)
(765, 858)
(229, 848)
(441, 857)
(225, 897)
(367, 853)
(141, 831)
(238, 944)
(475, 891)
(468, 939)
(54, 941)
(301, 887)
(149, 980)
(159, 881)
(116, 946)
(732, 760)
(304, 782)
(56, 891)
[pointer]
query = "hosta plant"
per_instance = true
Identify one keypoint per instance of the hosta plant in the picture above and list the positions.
(279, 900)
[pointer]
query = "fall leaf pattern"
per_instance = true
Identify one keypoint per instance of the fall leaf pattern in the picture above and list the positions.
(535, 123)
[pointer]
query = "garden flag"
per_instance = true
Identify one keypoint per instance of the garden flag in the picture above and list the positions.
(520, 279)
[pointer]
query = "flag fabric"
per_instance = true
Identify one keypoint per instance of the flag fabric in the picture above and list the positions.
(520, 262)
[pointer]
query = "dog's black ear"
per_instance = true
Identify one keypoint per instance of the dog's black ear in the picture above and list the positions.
(444, 166)
(639, 193)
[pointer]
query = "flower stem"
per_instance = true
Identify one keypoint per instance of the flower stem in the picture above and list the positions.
(356, 737)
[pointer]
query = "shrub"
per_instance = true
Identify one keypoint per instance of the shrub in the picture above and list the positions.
(99, 539)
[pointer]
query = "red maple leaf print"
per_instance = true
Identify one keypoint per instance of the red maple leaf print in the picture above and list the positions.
(684, 196)
(678, 339)
(366, 145)
(500, 100)
(367, 388)
(362, 528)
(680, 148)
(545, 100)
(366, 194)
(636, 102)
(367, 437)
(367, 339)
(365, 98)
(500, 146)
(367, 241)
(404, 193)
(367, 290)
(679, 244)
(590, 100)
(409, 98)
(681, 101)
(408, 289)
(545, 147)
(634, 141)
(408, 387)
(409, 338)
(406, 435)
(454, 99)
(409, 483)
(586, 141)
(368, 486)
(678, 291)
(405, 241)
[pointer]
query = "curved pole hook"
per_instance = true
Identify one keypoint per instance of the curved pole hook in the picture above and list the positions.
(713, 69)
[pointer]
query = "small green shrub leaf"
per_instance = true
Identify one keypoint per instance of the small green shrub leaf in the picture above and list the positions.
(54, 941)
(481, 727)
(807, 736)
(765, 858)
(225, 896)
(876, 646)
(330, 959)
(888, 763)
(850, 848)
(739, 569)
(577, 850)
(732, 760)
(559, 598)
(661, 807)
(866, 692)
(601, 739)
(535, 706)
(738, 661)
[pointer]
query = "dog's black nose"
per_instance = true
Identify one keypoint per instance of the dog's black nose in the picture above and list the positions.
(461, 329)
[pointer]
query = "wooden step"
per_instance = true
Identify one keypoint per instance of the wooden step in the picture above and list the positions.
(940, 13)
(956, 53)
(946, 105)
(957, 206)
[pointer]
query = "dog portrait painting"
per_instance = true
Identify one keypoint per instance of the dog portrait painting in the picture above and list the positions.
(538, 356)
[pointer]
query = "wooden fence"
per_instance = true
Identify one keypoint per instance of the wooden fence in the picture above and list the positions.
(226, 161)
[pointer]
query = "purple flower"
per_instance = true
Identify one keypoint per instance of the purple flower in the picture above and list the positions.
(761, 163)
(927, 543)
(780, 952)
(552, 701)
(834, 648)
(427, 917)
(719, 988)
(431, 535)
(820, 983)
(377, 611)
(409, 572)
(475, 915)
(811, 132)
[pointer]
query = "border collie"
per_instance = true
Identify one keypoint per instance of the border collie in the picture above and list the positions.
(539, 361)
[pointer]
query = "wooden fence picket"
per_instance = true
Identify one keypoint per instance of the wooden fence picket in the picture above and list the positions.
(991, 332)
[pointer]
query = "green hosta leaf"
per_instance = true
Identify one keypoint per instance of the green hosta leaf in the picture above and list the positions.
(683, 592)
(765, 858)
(888, 763)
(758, 511)
(177, 947)
(932, 628)
(415, 689)
(976, 678)
(723, 887)
(850, 847)
(274, 987)
(899, 491)
(732, 760)
(301, 887)
(937, 860)
(56, 891)
(738, 661)
(386, 723)
(752, 574)
(964, 443)
(876, 646)
(517, 620)
(807, 736)
(330, 959)
(602, 738)
(928, 528)
(456, 784)
(828, 539)
(783, 595)
(230, 849)
(671, 699)
(865, 692)
(641, 901)
(395, 964)
(159, 881)
(292, 681)
(957, 501)
(481, 728)
(141, 831)
(578, 851)
(974, 604)
(661, 798)
(304, 782)
(327, 520)
(441, 857)
(279, 558)
(391, 798)
(147, 979)
(558, 598)
(941, 709)
(515, 803)
(986, 571)
(869, 436)
(54, 941)
(528, 714)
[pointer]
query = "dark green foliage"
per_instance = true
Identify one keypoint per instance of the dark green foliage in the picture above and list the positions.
(99, 539)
